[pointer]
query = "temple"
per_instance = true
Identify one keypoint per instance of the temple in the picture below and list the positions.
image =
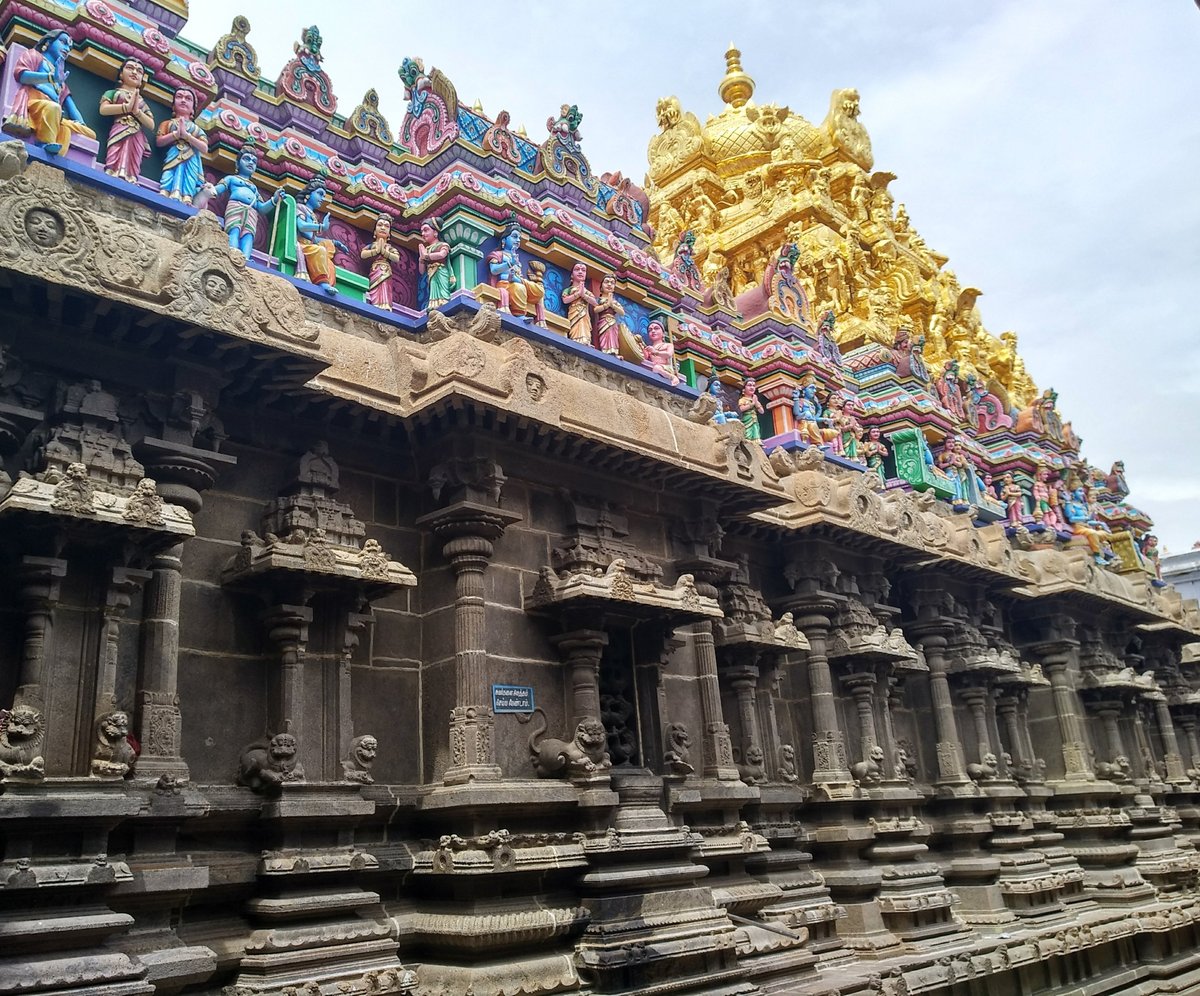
(430, 565)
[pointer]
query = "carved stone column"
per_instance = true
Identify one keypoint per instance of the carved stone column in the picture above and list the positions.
(744, 679)
(951, 768)
(287, 628)
(1191, 730)
(718, 750)
(1172, 757)
(1074, 748)
(159, 720)
(829, 743)
(1110, 714)
(468, 532)
(862, 687)
(581, 651)
(38, 592)
(1006, 709)
(975, 699)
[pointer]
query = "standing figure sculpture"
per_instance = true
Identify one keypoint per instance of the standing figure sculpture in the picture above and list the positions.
(315, 248)
(659, 353)
(578, 299)
(433, 257)
(873, 450)
(749, 408)
(127, 142)
(245, 202)
(683, 266)
(382, 255)
(1014, 499)
(517, 295)
(185, 143)
(1045, 507)
(42, 109)
(608, 310)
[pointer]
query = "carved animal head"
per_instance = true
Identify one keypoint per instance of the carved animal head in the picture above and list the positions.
(754, 755)
(669, 112)
(364, 749)
(114, 726)
(876, 754)
(283, 750)
(679, 736)
(590, 736)
(24, 727)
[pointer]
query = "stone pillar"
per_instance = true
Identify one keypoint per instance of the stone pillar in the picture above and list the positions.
(159, 720)
(1006, 709)
(889, 692)
(1110, 714)
(1037, 765)
(287, 629)
(974, 697)
(38, 592)
(862, 687)
(744, 679)
(468, 532)
(1190, 730)
(951, 768)
(718, 751)
(1166, 727)
(829, 743)
(356, 623)
(581, 651)
(1074, 749)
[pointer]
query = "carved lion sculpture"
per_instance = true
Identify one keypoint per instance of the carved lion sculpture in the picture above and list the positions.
(985, 771)
(266, 767)
(583, 756)
(752, 770)
(113, 755)
(356, 766)
(678, 754)
(787, 762)
(21, 732)
(870, 771)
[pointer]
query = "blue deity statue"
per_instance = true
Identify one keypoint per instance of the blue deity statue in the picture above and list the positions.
(245, 203)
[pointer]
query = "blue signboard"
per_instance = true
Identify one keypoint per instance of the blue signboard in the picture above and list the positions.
(512, 698)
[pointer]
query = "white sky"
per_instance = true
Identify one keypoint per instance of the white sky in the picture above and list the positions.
(1044, 146)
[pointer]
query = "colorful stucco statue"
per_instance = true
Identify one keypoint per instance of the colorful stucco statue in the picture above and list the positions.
(302, 77)
(382, 255)
(608, 309)
(659, 353)
(1013, 497)
(42, 109)
(561, 154)
(518, 296)
(1078, 512)
(127, 142)
(873, 451)
(183, 143)
(812, 427)
(1045, 504)
(431, 122)
(684, 265)
(245, 201)
(433, 262)
(578, 300)
(749, 408)
(316, 248)
(785, 296)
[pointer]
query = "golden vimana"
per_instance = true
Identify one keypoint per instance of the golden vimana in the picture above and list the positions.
(756, 176)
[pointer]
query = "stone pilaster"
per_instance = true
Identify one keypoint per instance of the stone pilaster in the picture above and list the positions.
(1176, 774)
(951, 767)
(1077, 768)
(468, 532)
(830, 765)
(581, 651)
(40, 578)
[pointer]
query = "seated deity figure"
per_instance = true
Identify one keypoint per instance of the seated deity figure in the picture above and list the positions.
(43, 109)
(517, 295)
(316, 249)
(1083, 522)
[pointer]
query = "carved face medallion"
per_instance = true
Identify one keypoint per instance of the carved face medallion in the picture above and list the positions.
(44, 228)
(216, 286)
(535, 386)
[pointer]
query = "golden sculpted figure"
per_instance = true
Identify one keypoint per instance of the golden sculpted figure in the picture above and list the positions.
(754, 177)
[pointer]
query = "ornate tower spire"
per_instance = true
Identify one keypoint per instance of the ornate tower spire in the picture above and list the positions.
(736, 87)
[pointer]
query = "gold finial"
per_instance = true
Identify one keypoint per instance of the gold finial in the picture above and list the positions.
(477, 107)
(736, 88)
